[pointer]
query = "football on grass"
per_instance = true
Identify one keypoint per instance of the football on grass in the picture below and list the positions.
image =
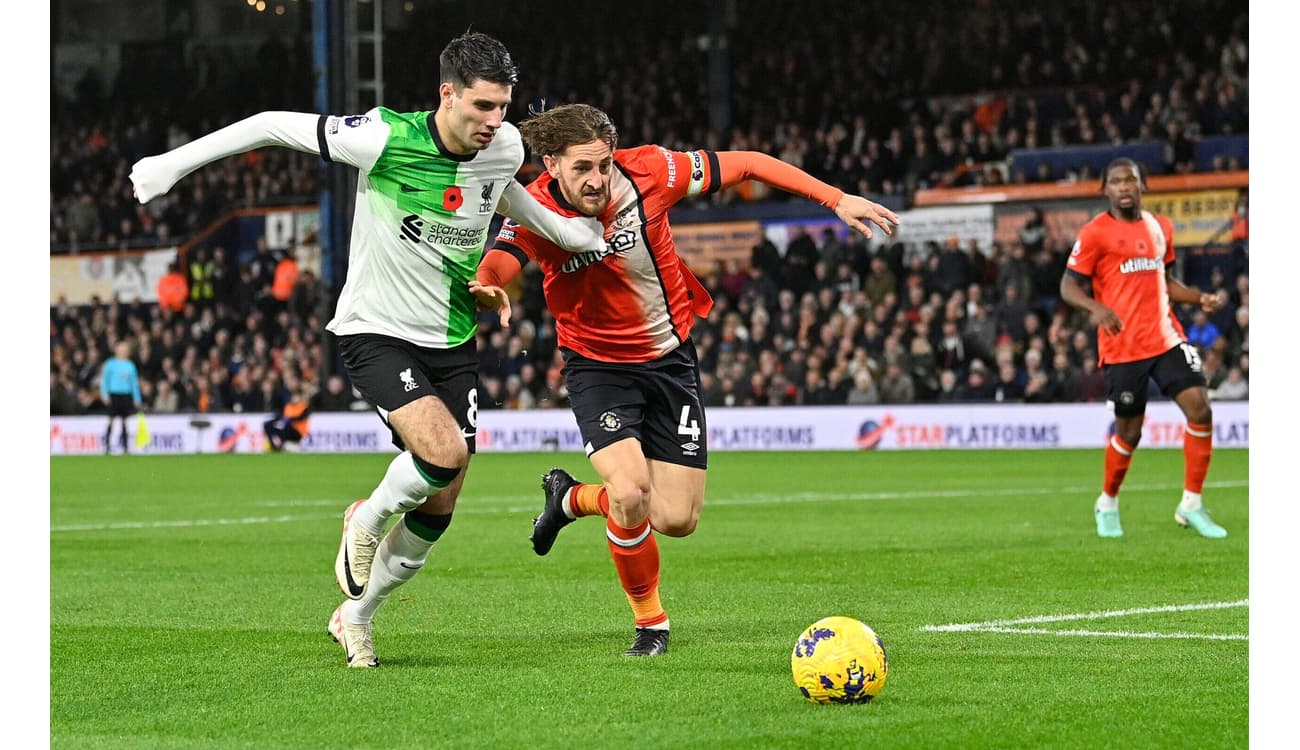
(839, 660)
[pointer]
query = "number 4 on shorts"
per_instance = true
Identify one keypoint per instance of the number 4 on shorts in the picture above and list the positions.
(690, 429)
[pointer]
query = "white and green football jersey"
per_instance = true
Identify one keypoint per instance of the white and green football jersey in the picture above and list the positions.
(420, 225)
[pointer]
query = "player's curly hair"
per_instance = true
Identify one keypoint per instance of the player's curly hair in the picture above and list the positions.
(549, 132)
(1124, 161)
(476, 56)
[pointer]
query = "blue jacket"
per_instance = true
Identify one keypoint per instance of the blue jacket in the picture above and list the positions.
(120, 378)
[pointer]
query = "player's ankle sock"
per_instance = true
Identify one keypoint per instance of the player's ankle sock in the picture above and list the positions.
(1198, 446)
(1118, 457)
(1191, 501)
(408, 481)
(1107, 502)
(400, 556)
(636, 558)
(586, 500)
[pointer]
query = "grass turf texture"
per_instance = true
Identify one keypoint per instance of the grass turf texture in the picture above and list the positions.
(189, 597)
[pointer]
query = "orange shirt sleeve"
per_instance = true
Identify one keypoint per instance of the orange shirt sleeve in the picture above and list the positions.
(737, 166)
(1083, 257)
(499, 267)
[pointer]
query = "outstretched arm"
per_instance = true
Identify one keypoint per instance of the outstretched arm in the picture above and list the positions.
(579, 234)
(153, 176)
(854, 210)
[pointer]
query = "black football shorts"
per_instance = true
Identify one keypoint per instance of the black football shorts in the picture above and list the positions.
(1174, 372)
(121, 405)
(391, 373)
(658, 403)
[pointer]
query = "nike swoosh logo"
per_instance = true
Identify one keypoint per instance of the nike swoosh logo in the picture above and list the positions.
(347, 571)
(408, 189)
(410, 567)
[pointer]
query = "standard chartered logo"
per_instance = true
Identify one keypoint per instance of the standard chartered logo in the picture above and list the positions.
(414, 229)
(411, 225)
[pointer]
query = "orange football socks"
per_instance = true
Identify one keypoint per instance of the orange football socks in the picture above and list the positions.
(589, 500)
(1197, 447)
(636, 558)
(1118, 456)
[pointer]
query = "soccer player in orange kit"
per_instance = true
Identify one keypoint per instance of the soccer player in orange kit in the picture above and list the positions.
(623, 320)
(1127, 253)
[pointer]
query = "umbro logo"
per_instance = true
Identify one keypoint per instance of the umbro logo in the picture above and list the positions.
(409, 189)
(408, 382)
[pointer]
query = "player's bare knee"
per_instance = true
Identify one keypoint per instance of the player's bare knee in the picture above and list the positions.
(454, 453)
(1200, 413)
(678, 524)
(628, 498)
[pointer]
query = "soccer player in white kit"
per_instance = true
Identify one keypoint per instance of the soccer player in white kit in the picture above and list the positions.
(406, 318)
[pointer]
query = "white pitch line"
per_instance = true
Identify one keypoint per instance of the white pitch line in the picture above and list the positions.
(1014, 626)
(958, 627)
(1118, 634)
(187, 523)
(491, 504)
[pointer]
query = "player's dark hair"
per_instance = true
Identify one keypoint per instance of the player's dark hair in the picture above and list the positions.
(476, 56)
(1123, 161)
(550, 132)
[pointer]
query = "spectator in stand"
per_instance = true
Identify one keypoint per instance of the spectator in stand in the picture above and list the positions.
(63, 397)
(284, 278)
(1008, 387)
(801, 258)
(224, 276)
(981, 333)
(1013, 271)
(897, 386)
(202, 271)
(977, 386)
(1010, 313)
(734, 278)
(924, 368)
(864, 390)
(765, 257)
(815, 390)
(1238, 336)
(1063, 380)
(173, 289)
(1202, 332)
(880, 282)
(1092, 384)
(954, 268)
(333, 397)
(305, 298)
(1233, 388)
(1033, 235)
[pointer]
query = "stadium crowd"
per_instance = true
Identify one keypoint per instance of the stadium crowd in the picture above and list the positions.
(842, 106)
(827, 322)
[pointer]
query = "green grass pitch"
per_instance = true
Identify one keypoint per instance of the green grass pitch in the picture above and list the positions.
(189, 598)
